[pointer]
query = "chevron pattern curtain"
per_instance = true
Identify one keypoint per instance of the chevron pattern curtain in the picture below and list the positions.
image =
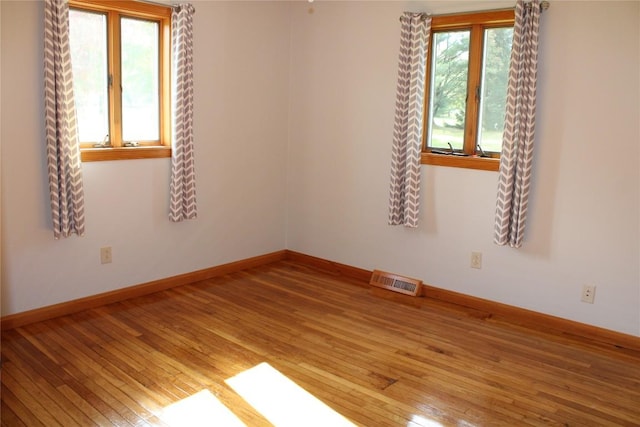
(517, 146)
(407, 130)
(183, 177)
(63, 151)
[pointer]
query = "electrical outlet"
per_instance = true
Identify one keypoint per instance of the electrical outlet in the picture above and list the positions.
(105, 255)
(476, 260)
(588, 293)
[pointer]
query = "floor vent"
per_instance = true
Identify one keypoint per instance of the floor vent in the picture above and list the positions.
(393, 282)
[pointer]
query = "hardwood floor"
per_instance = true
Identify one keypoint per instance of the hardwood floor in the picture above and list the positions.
(375, 361)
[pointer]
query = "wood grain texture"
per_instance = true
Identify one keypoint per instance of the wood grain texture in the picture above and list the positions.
(470, 162)
(376, 361)
(124, 153)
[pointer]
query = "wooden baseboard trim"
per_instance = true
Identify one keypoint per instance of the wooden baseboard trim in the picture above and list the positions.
(492, 309)
(534, 319)
(24, 318)
(359, 274)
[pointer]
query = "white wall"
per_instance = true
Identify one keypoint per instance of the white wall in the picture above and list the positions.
(241, 97)
(583, 226)
(271, 72)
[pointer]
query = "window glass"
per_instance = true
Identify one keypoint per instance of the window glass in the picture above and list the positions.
(88, 45)
(448, 87)
(495, 74)
(140, 80)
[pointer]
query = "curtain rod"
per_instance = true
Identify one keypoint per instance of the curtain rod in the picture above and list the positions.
(156, 3)
(544, 5)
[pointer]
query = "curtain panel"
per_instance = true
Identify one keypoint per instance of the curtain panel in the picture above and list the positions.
(404, 197)
(183, 178)
(63, 152)
(516, 160)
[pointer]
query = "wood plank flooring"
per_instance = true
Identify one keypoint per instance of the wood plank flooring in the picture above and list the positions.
(375, 361)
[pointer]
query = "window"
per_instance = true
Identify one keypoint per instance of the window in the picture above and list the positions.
(466, 89)
(120, 54)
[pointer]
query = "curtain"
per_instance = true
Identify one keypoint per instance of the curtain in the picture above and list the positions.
(517, 146)
(407, 130)
(183, 178)
(63, 151)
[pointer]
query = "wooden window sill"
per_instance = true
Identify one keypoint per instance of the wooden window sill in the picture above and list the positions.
(471, 162)
(123, 153)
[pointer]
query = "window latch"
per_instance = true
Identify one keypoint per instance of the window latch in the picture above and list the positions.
(451, 152)
(455, 153)
(448, 153)
(105, 142)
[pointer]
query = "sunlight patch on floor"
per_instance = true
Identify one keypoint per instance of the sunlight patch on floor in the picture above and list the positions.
(418, 421)
(283, 402)
(200, 410)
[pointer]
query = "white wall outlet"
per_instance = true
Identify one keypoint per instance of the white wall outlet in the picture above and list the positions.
(105, 255)
(588, 293)
(476, 260)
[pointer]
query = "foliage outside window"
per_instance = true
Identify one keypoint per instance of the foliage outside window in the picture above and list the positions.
(466, 89)
(120, 54)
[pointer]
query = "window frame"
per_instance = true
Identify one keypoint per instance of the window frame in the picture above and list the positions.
(476, 23)
(113, 10)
